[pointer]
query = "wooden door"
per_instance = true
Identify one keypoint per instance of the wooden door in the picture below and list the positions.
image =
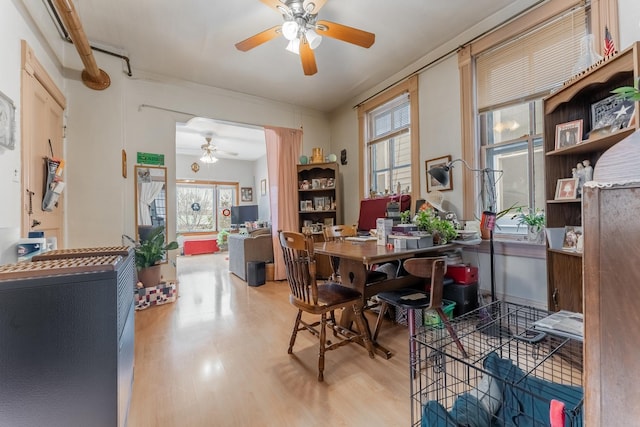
(42, 136)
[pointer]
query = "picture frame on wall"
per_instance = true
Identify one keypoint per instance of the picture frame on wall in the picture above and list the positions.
(7, 122)
(246, 194)
(568, 134)
(432, 184)
(567, 189)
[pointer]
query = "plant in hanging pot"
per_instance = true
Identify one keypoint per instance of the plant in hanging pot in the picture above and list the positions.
(149, 252)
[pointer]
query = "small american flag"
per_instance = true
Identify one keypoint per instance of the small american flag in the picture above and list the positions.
(609, 45)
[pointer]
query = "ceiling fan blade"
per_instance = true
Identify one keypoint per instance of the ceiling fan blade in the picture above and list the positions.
(308, 58)
(313, 6)
(345, 33)
(272, 3)
(224, 152)
(259, 39)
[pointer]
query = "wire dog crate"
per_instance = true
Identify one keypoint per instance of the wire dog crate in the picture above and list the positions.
(514, 375)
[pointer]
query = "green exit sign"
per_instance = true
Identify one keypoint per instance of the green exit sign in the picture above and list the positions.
(150, 159)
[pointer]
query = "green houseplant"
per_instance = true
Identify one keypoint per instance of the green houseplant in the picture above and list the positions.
(442, 230)
(534, 220)
(149, 252)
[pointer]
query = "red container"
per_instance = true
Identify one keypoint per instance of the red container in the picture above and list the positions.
(463, 274)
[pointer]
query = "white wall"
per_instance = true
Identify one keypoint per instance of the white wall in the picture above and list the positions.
(629, 12)
(264, 207)
(16, 25)
(100, 201)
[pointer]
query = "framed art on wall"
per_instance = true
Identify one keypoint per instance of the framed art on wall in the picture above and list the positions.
(246, 194)
(432, 183)
(7, 122)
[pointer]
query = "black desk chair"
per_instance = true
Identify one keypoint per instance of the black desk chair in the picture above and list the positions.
(412, 299)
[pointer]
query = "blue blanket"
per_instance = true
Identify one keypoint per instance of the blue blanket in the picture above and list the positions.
(525, 401)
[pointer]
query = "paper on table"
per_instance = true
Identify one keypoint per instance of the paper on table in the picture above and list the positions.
(360, 239)
(414, 297)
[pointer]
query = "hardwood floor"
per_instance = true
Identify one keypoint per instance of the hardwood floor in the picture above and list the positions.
(218, 357)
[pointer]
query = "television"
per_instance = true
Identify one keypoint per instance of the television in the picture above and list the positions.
(243, 213)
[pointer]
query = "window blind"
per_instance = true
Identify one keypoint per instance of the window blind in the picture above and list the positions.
(533, 63)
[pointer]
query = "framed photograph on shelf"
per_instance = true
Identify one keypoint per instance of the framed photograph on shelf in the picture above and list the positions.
(612, 113)
(432, 184)
(571, 236)
(246, 194)
(567, 189)
(568, 134)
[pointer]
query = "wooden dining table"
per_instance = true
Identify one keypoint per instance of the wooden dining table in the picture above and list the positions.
(358, 257)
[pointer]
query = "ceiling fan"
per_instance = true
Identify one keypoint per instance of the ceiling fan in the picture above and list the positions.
(304, 31)
(209, 151)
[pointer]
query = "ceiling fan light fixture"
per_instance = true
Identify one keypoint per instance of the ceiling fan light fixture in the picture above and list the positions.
(294, 46)
(208, 158)
(313, 38)
(290, 30)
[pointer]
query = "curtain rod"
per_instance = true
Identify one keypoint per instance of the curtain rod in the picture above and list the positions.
(452, 51)
(155, 107)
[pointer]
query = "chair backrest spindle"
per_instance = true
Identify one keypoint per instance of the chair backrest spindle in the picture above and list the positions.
(300, 265)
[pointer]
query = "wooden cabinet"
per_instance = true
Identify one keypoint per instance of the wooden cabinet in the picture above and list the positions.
(319, 194)
(611, 291)
(574, 102)
(319, 203)
(67, 329)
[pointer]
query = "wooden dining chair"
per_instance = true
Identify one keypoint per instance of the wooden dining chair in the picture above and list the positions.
(432, 268)
(338, 233)
(319, 299)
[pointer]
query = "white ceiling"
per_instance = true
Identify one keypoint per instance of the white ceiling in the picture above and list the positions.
(194, 40)
(232, 140)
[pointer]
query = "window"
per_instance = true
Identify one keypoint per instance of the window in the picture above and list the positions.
(389, 146)
(389, 140)
(514, 69)
(511, 141)
(200, 207)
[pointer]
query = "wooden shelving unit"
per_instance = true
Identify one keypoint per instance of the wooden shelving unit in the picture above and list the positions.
(573, 102)
(316, 182)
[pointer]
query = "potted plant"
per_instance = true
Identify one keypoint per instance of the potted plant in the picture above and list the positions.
(443, 231)
(405, 217)
(222, 238)
(534, 220)
(149, 252)
(631, 93)
(424, 220)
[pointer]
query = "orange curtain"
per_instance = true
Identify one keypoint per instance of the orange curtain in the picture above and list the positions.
(283, 151)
